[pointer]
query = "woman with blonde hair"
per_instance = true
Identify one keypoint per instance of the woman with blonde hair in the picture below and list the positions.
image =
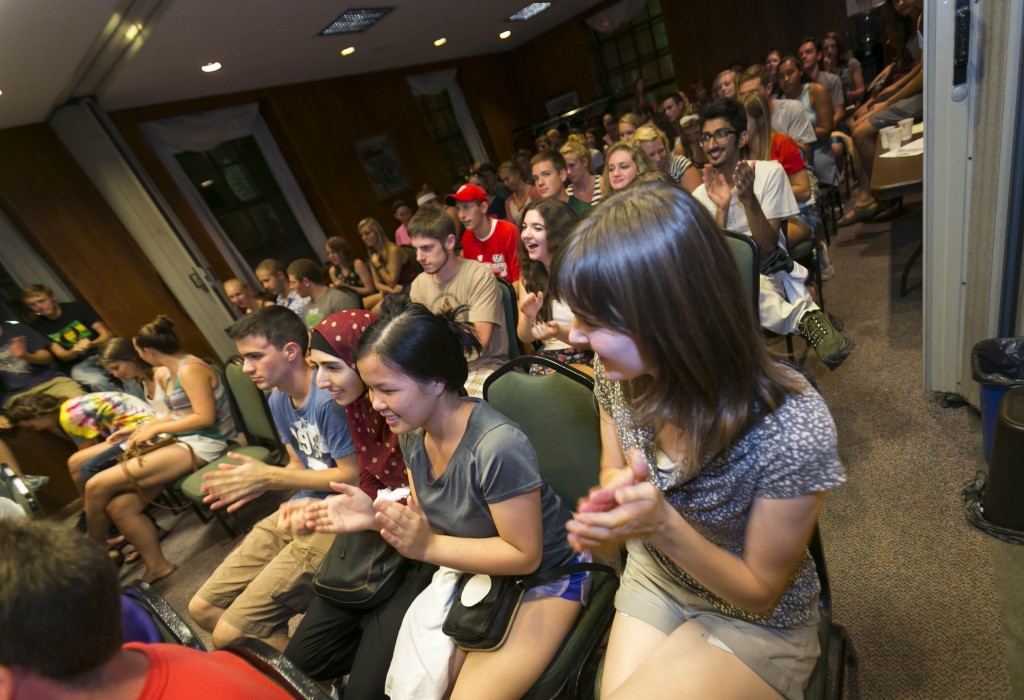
(627, 125)
(623, 163)
(689, 141)
(391, 269)
(715, 459)
(680, 168)
(346, 271)
(582, 185)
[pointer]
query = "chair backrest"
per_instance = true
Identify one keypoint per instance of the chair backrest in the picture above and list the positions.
(13, 487)
(277, 667)
(508, 301)
(171, 626)
(557, 412)
(252, 409)
(748, 259)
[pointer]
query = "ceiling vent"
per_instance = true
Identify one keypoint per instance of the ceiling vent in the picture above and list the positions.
(356, 21)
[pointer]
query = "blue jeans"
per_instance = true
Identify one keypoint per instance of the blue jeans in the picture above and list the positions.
(91, 374)
(103, 460)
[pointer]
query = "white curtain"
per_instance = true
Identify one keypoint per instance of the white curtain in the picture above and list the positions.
(611, 18)
(202, 131)
(445, 80)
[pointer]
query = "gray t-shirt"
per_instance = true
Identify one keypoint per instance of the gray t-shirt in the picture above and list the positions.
(492, 463)
(790, 452)
(332, 301)
(789, 117)
(834, 85)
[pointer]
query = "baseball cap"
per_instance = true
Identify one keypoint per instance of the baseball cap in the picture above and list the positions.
(466, 193)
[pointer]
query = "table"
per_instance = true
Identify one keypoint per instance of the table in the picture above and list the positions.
(898, 177)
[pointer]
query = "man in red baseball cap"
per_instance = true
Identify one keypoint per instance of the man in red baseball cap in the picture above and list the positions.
(489, 241)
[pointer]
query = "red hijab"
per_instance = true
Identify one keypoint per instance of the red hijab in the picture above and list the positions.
(380, 459)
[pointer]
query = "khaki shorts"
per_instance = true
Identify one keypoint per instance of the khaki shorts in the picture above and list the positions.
(59, 387)
(267, 579)
(784, 658)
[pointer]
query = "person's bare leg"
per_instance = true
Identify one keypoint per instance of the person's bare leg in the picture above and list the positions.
(7, 457)
(864, 134)
(126, 510)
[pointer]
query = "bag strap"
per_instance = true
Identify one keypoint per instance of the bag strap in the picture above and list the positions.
(557, 572)
(137, 454)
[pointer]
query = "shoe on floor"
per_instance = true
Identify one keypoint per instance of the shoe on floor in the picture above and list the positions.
(35, 481)
(831, 346)
(828, 271)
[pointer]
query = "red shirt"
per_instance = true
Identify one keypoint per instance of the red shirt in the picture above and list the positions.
(787, 153)
(180, 672)
(498, 251)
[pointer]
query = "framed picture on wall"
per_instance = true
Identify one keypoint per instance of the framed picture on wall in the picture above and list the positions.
(563, 103)
(381, 164)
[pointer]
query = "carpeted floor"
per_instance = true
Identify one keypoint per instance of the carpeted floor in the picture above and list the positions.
(911, 580)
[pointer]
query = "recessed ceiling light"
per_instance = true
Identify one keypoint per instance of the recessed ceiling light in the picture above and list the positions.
(210, 67)
(505, 34)
(531, 10)
(355, 21)
(206, 183)
(349, 51)
(1, 92)
(440, 42)
(133, 31)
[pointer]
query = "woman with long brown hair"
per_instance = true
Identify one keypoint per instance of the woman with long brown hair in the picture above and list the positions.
(715, 459)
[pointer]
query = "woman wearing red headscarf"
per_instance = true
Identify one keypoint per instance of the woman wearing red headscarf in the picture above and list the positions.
(333, 641)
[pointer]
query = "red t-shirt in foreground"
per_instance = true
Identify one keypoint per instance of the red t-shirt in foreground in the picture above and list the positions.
(787, 153)
(180, 672)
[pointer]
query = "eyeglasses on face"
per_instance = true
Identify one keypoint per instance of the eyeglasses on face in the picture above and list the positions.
(719, 136)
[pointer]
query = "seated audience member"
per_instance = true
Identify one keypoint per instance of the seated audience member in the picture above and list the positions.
(402, 213)
(719, 594)
(345, 271)
(199, 418)
(764, 143)
(583, 185)
(267, 579)
(550, 173)
(689, 130)
(520, 188)
(273, 275)
(787, 116)
(902, 100)
(611, 129)
(335, 640)
(624, 163)
(543, 319)
(655, 144)
(810, 55)
(628, 124)
(87, 420)
(698, 94)
(75, 333)
(643, 99)
(119, 357)
(306, 278)
(814, 98)
(485, 175)
(771, 62)
(541, 143)
(725, 85)
(480, 506)
(26, 366)
(60, 610)
(672, 106)
(837, 60)
(390, 266)
(753, 198)
(241, 295)
(448, 281)
(491, 242)
(555, 139)
(588, 140)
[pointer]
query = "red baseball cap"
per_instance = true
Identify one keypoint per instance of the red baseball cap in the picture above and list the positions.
(466, 193)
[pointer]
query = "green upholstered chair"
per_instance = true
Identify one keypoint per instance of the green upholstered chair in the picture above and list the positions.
(557, 412)
(511, 306)
(13, 487)
(748, 259)
(277, 667)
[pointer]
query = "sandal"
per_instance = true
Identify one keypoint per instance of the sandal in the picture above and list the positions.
(857, 214)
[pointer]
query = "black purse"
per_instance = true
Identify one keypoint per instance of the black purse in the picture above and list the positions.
(360, 571)
(485, 624)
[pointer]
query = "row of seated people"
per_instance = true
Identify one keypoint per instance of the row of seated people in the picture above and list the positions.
(718, 594)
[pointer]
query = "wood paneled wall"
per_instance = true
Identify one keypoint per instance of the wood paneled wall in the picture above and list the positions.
(50, 199)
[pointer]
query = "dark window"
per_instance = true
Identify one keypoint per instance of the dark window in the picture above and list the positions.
(638, 49)
(235, 182)
(439, 119)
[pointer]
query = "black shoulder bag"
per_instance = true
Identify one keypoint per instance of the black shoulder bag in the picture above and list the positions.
(360, 570)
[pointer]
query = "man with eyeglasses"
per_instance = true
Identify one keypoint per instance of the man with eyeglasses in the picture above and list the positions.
(754, 198)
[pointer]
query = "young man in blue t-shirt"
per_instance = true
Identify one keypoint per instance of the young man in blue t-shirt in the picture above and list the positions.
(267, 579)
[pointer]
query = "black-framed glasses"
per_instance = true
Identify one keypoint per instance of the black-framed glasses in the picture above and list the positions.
(719, 136)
